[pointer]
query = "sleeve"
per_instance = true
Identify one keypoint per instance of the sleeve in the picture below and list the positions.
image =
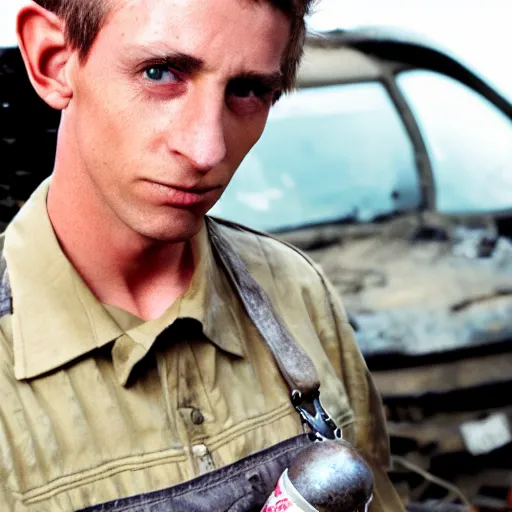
(368, 432)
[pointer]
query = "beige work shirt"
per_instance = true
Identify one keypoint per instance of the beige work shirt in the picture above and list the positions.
(96, 404)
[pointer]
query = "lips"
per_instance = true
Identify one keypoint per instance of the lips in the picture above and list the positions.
(191, 190)
(176, 195)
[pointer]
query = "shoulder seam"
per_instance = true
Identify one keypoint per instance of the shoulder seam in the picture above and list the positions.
(312, 264)
(241, 227)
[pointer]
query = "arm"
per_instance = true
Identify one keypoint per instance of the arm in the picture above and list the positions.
(369, 431)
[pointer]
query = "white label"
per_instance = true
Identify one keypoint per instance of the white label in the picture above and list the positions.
(280, 500)
(484, 436)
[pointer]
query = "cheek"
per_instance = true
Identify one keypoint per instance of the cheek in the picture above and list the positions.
(242, 135)
(109, 109)
(98, 125)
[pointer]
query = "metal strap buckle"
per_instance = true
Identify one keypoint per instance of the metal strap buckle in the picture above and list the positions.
(320, 424)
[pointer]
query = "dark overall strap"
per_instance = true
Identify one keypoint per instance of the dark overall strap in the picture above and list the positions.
(295, 365)
(5, 288)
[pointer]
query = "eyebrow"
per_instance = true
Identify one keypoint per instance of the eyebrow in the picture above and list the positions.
(271, 81)
(179, 61)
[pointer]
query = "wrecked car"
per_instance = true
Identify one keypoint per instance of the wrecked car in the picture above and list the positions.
(391, 166)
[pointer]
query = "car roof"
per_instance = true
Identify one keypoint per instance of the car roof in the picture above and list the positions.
(371, 53)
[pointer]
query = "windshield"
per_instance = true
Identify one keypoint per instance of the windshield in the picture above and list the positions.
(469, 143)
(327, 154)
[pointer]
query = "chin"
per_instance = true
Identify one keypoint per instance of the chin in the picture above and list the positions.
(176, 226)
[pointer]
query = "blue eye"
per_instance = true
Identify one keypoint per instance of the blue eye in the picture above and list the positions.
(160, 74)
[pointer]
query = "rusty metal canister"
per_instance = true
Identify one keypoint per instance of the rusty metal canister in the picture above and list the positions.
(327, 476)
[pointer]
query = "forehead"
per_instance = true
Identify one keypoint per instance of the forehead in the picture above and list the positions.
(248, 34)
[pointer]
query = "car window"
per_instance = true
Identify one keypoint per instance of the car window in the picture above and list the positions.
(327, 153)
(469, 141)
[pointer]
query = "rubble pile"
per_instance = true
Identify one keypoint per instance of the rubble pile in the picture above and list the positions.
(433, 319)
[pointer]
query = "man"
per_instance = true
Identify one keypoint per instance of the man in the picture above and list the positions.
(129, 364)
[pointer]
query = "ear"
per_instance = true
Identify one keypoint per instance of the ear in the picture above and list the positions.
(46, 53)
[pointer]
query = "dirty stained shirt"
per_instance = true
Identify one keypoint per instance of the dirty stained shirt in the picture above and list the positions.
(96, 404)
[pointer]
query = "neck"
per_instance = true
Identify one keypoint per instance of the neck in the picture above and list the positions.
(121, 267)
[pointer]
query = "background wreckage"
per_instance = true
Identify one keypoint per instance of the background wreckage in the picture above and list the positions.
(430, 297)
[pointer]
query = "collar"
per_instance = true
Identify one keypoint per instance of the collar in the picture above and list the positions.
(56, 318)
(209, 300)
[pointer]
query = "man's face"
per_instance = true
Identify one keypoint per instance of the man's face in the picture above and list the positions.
(173, 95)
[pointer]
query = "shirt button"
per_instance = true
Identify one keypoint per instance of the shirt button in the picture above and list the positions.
(199, 450)
(197, 417)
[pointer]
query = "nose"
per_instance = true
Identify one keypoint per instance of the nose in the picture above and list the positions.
(199, 135)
